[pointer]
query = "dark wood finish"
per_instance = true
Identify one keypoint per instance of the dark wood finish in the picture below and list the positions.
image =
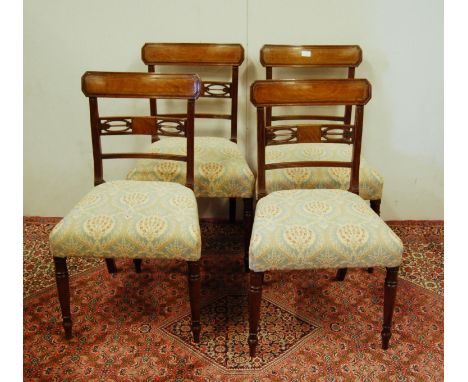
(194, 281)
(232, 210)
(248, 223)
(310, 92)
(192, 54)
(255, 299)
(61, 277)
(390, 290)
(137, 265)
(310, 56)
(375, 205)
(341, 274)
(111, 267)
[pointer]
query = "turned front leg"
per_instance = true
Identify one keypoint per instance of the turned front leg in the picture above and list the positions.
(389, 304)
(63, 288)
(255, 298)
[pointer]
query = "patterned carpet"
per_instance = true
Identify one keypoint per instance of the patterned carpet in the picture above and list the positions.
(135, 327)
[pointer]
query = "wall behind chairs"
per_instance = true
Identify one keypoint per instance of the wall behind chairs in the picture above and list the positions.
(402, 44)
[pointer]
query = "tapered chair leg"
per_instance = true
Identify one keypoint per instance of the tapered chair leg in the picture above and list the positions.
(389, 304)
(375, 205)
(232, 210)
(194, 280)
(61, 277)
(137, 265)
(111, 268)
(341, 274)
(255, 298)
(248, 223)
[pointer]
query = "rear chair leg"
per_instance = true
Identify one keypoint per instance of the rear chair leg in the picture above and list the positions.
(255, 298)
(341, 274)
(61, 277)
(389, 304)
(248, 222)
(194, 294)
(111, 268)
(232, 210)
(137, 265)
(375, 205)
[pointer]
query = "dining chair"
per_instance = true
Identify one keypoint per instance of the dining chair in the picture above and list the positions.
(301, 228)
(317, 60)
(127, 218)
(221, 170)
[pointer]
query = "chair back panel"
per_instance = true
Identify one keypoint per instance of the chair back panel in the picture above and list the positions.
(310, 56)
(192, 54)
(292, 93)
(201, 55)
(310, 92)
(141, 85)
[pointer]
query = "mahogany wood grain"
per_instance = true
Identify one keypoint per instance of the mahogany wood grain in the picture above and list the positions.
(140, 85)
(310, 55)
(192, 54)
(310, 92)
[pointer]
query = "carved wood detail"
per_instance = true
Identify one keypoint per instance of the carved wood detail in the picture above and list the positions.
(216, 89)
(328, 133)
(154, 125)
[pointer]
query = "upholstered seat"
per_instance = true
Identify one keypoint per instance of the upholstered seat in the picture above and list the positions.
(130, 219)
(304, 229)
(220, 168)
(370, 181)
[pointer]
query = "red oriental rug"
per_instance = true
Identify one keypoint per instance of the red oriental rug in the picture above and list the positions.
(135, 327)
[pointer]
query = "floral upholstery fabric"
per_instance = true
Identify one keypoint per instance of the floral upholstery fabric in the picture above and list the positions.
(220, 168)
(304, 229)
(131, 219)
(370, 182)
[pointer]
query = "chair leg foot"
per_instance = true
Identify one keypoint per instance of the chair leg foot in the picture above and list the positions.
(390, 290)
(194, 280)
(232, 210)
(341, 274)
(255, 298)
(111, 268)
(137, 265)
(63, 288)
(248, 223)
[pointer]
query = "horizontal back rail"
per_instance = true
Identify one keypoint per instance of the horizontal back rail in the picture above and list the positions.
(175, 157)
(192, 54)
(310, 92)
(310, 55)
(140, 85)
(274, 166)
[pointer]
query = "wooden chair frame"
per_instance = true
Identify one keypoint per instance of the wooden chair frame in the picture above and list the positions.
(136, 85)
(206, 55)
(347, 92)
(312, 57)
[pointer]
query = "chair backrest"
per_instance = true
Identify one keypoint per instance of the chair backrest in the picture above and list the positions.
(140, 85)
(202, 55)
(311, 57)
(330, 92)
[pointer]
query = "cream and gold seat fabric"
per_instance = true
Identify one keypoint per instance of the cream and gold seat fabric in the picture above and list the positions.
(304, 229)
(131, 219)
(220, 168)
(370, 182)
